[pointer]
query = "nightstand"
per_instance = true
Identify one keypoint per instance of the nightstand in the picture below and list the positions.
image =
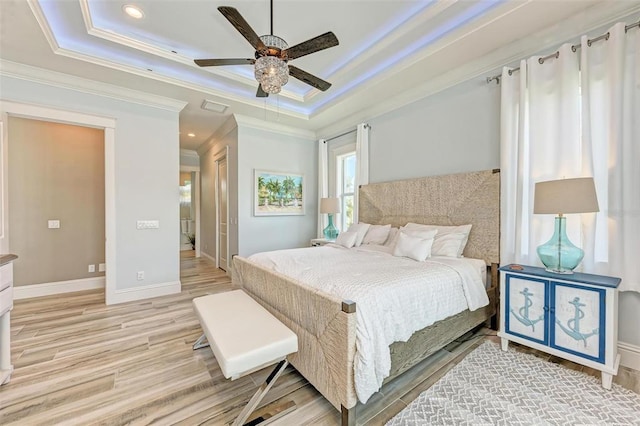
(572, 316)
(317, 242)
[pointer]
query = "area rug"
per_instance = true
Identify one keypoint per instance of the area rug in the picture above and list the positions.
(493, 387)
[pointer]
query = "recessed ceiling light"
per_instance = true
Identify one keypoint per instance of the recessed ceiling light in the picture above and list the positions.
(133, 11)
(191, 135)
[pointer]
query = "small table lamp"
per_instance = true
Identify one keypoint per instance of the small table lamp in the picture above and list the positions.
(560, 197)
(330, 206)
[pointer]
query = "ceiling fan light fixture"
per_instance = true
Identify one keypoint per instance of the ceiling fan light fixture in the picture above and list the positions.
(272, 73)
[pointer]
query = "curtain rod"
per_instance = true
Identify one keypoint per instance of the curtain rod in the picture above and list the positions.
(345, 133)
(574, 48)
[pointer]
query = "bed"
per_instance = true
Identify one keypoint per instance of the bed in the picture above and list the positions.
(326, 323)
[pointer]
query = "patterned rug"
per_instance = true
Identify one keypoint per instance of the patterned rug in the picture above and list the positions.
(491, 387)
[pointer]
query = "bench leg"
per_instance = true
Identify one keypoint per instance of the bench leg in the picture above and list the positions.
(200, 343)
(260, 393)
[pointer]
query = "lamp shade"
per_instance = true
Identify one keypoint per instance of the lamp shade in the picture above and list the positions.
(565, 196)
(330, 205)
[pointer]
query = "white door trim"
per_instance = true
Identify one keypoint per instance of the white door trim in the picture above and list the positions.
(44, 113)
(223, 154)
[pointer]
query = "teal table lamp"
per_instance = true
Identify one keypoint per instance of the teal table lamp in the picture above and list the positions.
(330, 206)
(559, 255)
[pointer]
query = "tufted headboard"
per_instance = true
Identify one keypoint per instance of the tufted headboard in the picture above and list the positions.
(457, 199)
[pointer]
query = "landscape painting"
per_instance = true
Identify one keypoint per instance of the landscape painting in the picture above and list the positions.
(278, 193)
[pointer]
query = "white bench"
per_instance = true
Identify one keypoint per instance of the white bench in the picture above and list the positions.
(244, 338)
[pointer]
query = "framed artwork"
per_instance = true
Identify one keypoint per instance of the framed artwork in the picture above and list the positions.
(278, 194)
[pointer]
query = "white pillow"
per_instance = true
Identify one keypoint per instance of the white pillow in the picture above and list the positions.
(391, 238)
(450, 240)
(413, 247)
(347, 239)
(377, 234)
(415, 232)
(361, 228)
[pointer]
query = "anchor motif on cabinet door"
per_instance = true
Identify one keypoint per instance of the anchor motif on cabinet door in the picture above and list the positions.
(523, 313)
(573, 325)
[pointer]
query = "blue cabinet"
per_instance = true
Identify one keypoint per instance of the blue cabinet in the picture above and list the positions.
(570, 316)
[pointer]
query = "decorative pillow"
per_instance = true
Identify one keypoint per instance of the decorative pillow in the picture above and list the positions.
(347, 239)
(377, 234)
(361, 228)
(450, 240)
(413, 247)
(391, 238)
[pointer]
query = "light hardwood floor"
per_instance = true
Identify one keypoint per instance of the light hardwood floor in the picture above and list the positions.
(80, 362)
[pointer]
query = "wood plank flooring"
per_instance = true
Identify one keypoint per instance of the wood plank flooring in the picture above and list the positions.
(78, 361)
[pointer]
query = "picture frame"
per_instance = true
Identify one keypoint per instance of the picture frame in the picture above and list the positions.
(278, 193)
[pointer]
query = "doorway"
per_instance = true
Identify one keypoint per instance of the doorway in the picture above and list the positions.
(34, 112)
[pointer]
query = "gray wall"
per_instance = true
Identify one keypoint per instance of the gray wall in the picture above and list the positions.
(456, 130)
(265, 150)
(56, 172)
(146, 167)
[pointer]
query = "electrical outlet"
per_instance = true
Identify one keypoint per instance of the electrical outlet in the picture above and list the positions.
(92, 268)
(102, 267)
(140, 275)
(53, 224)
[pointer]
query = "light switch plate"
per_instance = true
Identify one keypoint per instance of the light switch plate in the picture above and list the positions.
(102, 267)
(148, 224)
(53, 224)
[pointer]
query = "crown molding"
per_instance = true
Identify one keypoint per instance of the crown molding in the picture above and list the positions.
(255, 123)
(53, 78)
(539, 42)
(44, 25)
(189, 153)
(222, 131)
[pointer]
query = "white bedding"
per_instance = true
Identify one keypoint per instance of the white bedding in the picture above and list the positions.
(431, 291)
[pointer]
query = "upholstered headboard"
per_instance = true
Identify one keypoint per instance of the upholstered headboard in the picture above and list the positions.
(458, 199)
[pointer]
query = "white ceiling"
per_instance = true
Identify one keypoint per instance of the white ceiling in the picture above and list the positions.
(390, 50)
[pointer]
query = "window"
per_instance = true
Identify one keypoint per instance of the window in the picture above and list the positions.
(346, 179)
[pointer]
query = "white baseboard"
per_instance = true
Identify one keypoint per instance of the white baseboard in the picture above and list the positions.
(143, 292)
(629, 355)
(58, 287)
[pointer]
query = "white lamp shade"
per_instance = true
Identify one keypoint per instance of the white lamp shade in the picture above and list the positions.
(330, 205)
(565, 196)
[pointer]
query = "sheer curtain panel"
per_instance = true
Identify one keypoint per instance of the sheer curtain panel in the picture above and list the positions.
(362, 162)
(574, 115)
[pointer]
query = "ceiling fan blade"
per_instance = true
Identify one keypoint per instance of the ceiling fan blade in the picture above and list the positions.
(261, 93)
(310, 79)
(315, 44)
(217, 62)
(233, 16)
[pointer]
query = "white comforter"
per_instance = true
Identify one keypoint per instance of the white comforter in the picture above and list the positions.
(394, 296)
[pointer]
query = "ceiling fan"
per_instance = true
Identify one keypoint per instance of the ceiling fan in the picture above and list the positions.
(272, 54)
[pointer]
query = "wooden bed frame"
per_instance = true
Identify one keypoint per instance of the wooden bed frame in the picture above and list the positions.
(326, 325)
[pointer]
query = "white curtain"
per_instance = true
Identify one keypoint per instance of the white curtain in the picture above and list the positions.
(323, 183)
(573, 116)
(362, 163)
